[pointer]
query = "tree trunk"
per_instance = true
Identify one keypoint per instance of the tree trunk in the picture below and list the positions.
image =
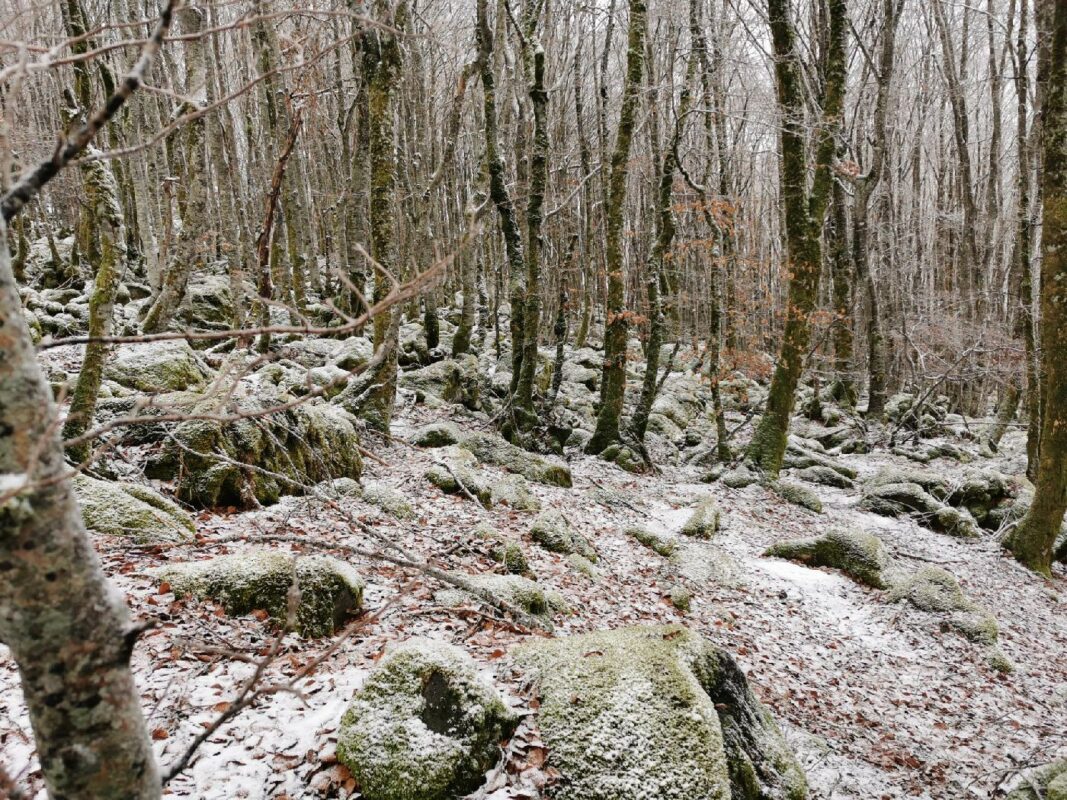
(1033, 539)
(804, 213)
(68, 630)
(613, 382)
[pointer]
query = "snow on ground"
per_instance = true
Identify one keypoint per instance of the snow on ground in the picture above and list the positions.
(878, 700)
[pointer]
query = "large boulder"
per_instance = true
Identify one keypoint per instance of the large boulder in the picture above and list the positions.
(425, 725)
(899, 499)
(647, 713)
(453, 380)
(257, 459)
(131, 510)
(798, 494)
(208, 301)
(856, 553)
(168, 366)
(936, 590)
(330, 590)
(492, 449)
(1044, 783)
(552, 531)
(703, 523)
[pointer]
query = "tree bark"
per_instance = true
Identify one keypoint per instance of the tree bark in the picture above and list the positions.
(804, 213)
(1032, 541)
(613, 382)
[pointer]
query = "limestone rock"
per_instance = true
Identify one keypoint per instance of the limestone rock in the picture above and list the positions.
(517, 591)
(798, 495)
(856, 553)
(438, 434)
(456, 473)
(425, 725)
(388, 499)
(658, 544)
(703, 523)
(1050, 780)
(452, 380)
(259, 459)
(495, 450)
(330, 590)
(936, 590)
(825, 476)
(132, 510)
(167, 366)
(647, 713)
(553, 532)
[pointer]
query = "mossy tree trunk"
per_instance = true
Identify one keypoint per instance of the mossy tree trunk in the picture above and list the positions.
(1032, 541)
(382, 65)
(68, 630)
(804, 214)
(843, 293)
(613, 382)
(499, 194)
(666, 229)
(534, 65)
(104, 208)
(190, 251)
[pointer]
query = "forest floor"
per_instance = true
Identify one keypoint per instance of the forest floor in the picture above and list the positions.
(877, 699)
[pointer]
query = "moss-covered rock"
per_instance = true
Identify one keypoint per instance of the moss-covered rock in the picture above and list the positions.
(514, 492)
(492, 449)
(705, 564)
(655, 712)
(437, 434)
(658, 544)
(516, 591)
(330, 590)
(553, 532)
(856, 553)
(258, 459)
(583, 566)
(703, 523)
(800, 454)
(740, 477)
(936, 485)
(425, 725)
(825, 476)
(456, 473)
(936, 590)
(1045, 783)
(388, 499)
(681, 598)
(168, 366)
(898, 499)
(131, 510)
(797, 494)
(982, 491)
(452, 380)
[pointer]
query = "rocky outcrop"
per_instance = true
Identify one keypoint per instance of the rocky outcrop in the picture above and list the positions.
(329, 590)
(425, 725)
(259, 459)
(655, 712)
(858, 554)
(452, 381)
(553, 532)
(157, 367)
(703, 523)
(514, 591)
(797, 494)
(131, 510)
(899, 499)
(495, 450)
(1044, 783)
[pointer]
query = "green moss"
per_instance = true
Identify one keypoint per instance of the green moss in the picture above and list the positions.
(642, 712)
(936, 590)
(825, 476)
(898, 499)
(797, 494)
(513, 590)
(490, 449)
(854, 552)
(330, 590)
(1050, 780)
(514, 492)
(425, 725)
(658, 544)
(681, 598)
(553, 532)
(259, 459)
(741, 477)
(439, 434)
(513, 557)
(931, 483)
(157, 367)
(456, 472)
(137, 512)
(388, 500)
(703, 523)
(583, 566)
(452, 380)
